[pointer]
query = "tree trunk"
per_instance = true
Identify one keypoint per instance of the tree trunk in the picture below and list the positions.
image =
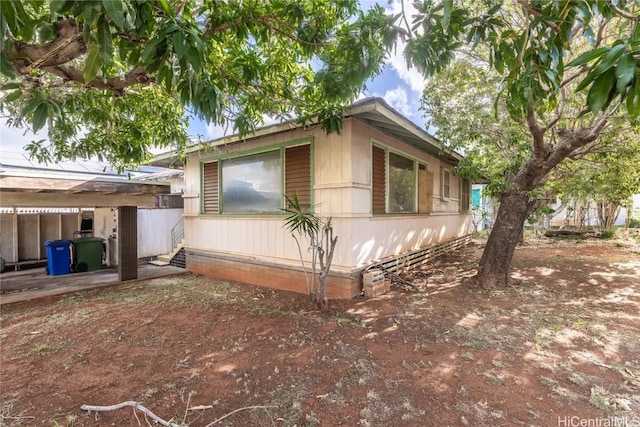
(495, 263)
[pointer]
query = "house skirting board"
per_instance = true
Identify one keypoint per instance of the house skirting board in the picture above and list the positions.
(283, 276)
(340, 285)
(413, 259)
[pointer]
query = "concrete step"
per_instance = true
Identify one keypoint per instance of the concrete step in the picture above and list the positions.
(168, 257)
(164, 258)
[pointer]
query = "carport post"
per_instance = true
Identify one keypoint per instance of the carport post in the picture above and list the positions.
(127, 243)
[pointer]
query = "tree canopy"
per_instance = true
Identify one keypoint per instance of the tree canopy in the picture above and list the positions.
(535, 83)
(112, 78)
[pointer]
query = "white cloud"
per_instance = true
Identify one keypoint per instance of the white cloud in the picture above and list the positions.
(216, 131)
(399, 100)
(411, 76)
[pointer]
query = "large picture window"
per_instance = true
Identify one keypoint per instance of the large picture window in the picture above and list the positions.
(252, 183)
(256, 183)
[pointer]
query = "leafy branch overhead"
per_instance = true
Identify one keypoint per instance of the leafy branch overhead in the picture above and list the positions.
(533, 45)
(224, 62)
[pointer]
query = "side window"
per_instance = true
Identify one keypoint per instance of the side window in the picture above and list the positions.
(378, 185)
(297, 173)
(210, 197)
(465, 195)
(425, 189)
(446, 184)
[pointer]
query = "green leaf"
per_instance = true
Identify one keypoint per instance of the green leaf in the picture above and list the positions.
(446, 14)
(609, 59)
(625, 71)
(104, 41)
(9, 86)
(56, 5)
(13, 96)
(115, 9)
(194, 57)
(598, 96)
(586, 81)
(6, 67)
(92, 63)
(40, 117)
(149, 52)
(164, 5)
(587, 57)
(179, 44)
(633, 98)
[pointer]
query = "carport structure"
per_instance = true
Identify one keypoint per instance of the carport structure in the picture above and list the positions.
(42, 190)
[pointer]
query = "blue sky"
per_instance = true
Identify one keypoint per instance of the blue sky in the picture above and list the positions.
(400, 86)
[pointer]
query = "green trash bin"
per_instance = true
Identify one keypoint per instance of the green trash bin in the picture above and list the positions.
(88, 253)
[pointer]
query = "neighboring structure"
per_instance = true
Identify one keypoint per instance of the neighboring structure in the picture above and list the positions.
(482, 208)
(387, 184)
(48, 202)
(568, 216)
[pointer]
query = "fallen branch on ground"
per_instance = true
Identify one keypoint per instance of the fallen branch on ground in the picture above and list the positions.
(154, 417)
(135, 406)
(238, 410)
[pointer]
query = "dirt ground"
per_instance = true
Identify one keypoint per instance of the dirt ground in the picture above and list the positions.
(561, 347)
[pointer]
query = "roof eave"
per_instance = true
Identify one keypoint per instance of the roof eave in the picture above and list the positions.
(428, 143)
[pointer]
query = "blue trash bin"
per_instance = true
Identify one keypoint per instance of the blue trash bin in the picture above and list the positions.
(58, 257)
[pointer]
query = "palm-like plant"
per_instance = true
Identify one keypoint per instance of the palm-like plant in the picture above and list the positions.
(303, 223)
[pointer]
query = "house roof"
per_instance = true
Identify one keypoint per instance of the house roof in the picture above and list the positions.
(25, 183)
(373, 111)
(21, 161)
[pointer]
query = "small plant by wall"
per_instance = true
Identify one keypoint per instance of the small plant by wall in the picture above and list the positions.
(305, 224)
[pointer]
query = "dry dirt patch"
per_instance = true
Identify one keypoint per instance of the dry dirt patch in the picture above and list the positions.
(563, 343)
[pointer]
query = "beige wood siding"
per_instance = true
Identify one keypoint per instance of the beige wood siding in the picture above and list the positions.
(297, 173)
(210, 194)
(380, 237)
(378, 180)
(425, 190)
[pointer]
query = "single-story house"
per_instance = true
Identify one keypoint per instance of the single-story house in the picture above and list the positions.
(387, 184)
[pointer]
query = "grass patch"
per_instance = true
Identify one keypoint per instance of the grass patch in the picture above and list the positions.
(600, 398)
(39, 349)
(74, 298)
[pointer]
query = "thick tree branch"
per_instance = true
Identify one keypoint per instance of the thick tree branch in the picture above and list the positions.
(537, 134)
(115, 84)
(67, 46)
(623, 13)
